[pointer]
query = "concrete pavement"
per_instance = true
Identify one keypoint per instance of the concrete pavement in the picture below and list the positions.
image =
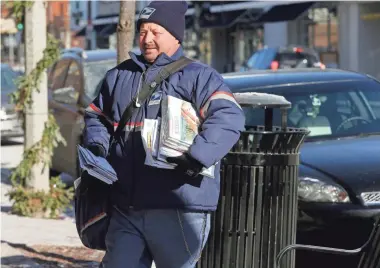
(23, 230)
(16, 230)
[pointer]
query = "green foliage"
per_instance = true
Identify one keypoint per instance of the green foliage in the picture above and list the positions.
(18, 8)
(26, 84)
(28, 202)
(42, 150)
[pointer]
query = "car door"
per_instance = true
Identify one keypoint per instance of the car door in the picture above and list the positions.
(64, 98)
(73, 116)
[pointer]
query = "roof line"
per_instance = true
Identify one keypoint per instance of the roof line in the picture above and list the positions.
(298, 84)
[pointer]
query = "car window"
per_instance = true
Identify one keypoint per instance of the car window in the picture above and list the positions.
(59, 74)
(328, 110)
(261, 59)
(94, 73)
(73, 78)
(373, 102)
(295, 60)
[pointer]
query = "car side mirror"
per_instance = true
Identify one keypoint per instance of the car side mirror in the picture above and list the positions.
(67, 95)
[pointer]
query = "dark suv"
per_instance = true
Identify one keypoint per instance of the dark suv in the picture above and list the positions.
(283, 58)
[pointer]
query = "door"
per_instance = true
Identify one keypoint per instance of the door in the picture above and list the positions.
(65, 93)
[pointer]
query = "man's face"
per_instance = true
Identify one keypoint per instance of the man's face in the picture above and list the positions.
(154, 40)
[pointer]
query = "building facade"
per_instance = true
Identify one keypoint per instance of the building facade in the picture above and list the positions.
(12, 32)
(94, 22)
(225, 34)
(344, 33)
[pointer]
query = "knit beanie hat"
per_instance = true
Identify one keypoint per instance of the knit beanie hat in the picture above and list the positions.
(168, 14)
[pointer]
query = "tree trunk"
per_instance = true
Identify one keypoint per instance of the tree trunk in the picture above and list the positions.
(37, 113)
(125, 29)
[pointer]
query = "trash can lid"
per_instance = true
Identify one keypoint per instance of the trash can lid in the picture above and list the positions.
(262, 100)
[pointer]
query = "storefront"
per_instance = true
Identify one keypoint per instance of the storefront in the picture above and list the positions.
(346, 34)
(359, 45)
(235, 28)
(316, 27)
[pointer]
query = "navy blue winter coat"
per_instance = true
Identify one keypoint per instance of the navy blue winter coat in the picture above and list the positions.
(144, 187)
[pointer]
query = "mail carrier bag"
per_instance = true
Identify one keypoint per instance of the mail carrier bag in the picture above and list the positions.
(92, 210)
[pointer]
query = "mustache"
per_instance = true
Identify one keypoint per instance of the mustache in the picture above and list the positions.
(149, 46)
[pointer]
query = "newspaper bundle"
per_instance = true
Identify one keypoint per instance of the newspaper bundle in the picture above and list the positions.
(171, 135)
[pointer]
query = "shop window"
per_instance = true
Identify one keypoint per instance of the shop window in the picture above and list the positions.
(323, 27)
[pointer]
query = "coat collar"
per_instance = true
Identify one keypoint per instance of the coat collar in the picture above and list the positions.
(162, 60)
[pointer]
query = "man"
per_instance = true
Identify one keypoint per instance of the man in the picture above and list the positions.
(160, 214)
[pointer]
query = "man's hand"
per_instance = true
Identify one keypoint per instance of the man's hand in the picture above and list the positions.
(186, 164)
(97, 150)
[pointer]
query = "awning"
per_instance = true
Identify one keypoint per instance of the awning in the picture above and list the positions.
(284, 12)
(97, 28)
(103, 25)
(228, 13)
(220, 19)
(108, 30)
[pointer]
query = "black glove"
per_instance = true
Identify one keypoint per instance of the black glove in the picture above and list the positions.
(97, 150)
(186, 164)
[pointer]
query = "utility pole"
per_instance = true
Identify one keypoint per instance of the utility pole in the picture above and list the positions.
(125, 29)
(36, 113)
(90, 27)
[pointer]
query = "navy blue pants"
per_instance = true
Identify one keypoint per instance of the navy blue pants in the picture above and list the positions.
(170, 238)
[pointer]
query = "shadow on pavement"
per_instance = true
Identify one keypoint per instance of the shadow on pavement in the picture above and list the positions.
(5, 176)
(42, 258)
(11, 142)
(6, 209)
(17, 261)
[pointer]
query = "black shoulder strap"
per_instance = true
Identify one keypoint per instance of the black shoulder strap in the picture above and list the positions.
(148, 89)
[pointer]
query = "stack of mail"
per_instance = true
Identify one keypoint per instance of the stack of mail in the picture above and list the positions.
(150, 135)
(180, 124)
(172, 135)
(96, 166)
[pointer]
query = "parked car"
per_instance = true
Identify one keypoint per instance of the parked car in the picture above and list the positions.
(283, 58)
(11, 126)
(73, 82)
(339, 174)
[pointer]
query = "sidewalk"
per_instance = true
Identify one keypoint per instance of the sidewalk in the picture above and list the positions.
(32, 242)
(21, 235)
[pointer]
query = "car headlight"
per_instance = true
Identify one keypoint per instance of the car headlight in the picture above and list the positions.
(314, 190)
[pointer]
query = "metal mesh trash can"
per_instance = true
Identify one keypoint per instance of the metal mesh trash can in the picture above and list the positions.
(257, 211)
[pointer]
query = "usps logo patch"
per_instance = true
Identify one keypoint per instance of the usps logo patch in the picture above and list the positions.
(155, 99)
(147, 12)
